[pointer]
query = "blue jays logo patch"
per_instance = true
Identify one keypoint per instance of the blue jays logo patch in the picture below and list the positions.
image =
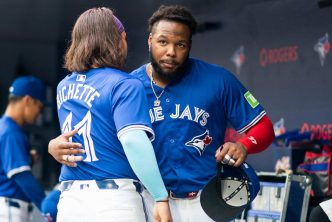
(279, 127)
(238, 59)
(200, 142)
(322, 47)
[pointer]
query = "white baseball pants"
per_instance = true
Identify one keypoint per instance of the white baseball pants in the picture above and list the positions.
(86, 202)
(183, 210)
(14, 210)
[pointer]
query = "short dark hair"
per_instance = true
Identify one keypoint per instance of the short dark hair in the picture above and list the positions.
(95, 41)
(13, 98)
(175, 13)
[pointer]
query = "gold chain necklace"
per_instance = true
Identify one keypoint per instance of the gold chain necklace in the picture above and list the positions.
(152, 82)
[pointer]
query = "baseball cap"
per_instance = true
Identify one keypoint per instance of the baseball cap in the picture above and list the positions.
(29, 85)
(229, 192)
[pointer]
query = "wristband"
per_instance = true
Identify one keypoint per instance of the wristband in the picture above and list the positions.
(162, 200)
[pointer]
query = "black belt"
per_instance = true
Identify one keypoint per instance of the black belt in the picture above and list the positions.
(186, 195)
(101, 184)
(13, 203)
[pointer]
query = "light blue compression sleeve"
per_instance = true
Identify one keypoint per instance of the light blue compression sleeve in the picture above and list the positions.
(141, 157)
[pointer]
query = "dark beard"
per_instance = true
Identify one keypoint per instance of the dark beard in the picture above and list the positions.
(169, 76)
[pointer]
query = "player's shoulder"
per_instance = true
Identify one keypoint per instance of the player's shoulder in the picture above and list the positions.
(140, 72)
(113, 73)
(64, 80)
(116, 76)
(213, 71)
(124, 78)
(120, 80)
(9, 127)
(98, 77)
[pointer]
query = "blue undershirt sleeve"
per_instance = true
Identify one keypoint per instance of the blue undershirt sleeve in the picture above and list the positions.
(30, 186)
(142, 159)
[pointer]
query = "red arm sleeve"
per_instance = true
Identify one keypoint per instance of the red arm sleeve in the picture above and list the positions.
(259, 136)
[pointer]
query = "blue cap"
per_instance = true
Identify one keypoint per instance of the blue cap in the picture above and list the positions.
(29, 85)
(229, 192)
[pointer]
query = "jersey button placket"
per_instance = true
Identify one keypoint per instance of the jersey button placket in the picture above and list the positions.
(177, 160)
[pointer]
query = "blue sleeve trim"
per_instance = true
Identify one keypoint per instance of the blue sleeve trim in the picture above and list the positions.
(253, 122)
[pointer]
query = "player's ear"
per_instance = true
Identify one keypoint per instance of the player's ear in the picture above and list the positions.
(27, 100)
(149, 41)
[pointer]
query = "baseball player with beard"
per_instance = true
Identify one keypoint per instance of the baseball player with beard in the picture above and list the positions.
(191, 103)
(108, 110)
(198, 100)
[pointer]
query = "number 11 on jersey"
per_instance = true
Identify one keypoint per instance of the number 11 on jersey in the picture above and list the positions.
(84, 130)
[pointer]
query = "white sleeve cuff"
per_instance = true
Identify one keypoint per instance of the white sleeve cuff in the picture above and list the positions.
(18, 170)
(148, 130)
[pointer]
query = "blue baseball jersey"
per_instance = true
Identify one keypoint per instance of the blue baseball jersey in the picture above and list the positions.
(191, 120)
(14, 157)
(102, 104)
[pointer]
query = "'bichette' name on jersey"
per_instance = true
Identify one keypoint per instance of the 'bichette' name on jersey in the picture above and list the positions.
(78, 91)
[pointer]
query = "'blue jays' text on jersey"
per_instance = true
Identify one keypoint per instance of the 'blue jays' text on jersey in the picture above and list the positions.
(191, 120)
(102, 104)
(14, 157)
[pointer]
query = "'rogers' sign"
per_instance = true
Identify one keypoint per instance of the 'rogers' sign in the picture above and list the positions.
(278, 55)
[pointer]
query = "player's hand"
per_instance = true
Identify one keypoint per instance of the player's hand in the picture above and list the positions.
(47, 217)
(162, 212)
(34, 156)
(233, 154)
(61, 149)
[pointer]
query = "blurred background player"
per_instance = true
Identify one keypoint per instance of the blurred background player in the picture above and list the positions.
(18, 187)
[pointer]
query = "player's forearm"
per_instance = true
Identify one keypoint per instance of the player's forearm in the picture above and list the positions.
(259, 136)
(142, 159)
(30, 187)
